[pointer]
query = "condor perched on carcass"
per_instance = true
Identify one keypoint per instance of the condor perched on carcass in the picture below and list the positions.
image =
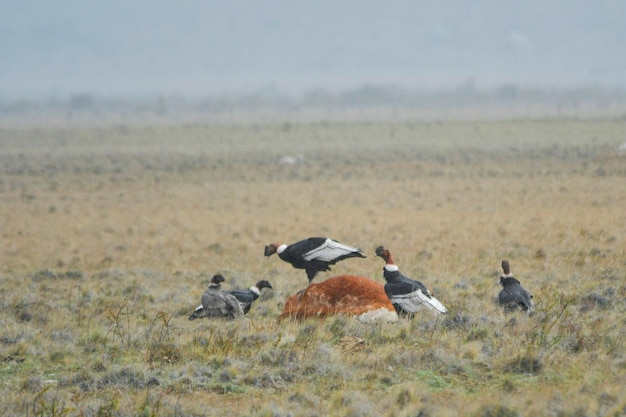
(344, 294)
(313, 254)
(407, 295)
(513, 295)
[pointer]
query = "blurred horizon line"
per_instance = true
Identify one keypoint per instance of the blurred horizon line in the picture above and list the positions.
(368, 91)
(367, 102)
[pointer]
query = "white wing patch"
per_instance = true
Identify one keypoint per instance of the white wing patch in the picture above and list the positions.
(416, 300)
(329, 251)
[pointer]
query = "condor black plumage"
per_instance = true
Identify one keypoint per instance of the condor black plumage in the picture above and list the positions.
(407, 295)
(314, 254)
(250, 295)
(513, 296)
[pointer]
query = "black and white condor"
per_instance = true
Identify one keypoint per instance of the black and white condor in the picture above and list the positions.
(248, 296)
(513, 296)
(314, 254)
(407, 295)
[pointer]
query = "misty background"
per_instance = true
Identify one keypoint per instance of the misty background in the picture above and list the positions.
(221, 54)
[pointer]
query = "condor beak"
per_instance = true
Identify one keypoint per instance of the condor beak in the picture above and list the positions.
(268, 252)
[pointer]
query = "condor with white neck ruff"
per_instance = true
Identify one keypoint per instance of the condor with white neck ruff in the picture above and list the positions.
(407, 295)
(314, 254)
(250, 295)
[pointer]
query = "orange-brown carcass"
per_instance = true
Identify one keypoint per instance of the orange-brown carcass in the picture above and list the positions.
(344, 294)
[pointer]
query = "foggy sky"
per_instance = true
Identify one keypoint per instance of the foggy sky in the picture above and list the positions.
(112, 47)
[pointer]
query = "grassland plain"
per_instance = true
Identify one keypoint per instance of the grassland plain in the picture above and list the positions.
(110, 233)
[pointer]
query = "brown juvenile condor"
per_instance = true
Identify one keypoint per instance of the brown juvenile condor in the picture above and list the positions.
(313, 254)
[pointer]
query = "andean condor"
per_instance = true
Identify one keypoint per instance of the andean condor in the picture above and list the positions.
(407, 295)
(248, 296)
(216, 303)
(313, 254)
(513, 295)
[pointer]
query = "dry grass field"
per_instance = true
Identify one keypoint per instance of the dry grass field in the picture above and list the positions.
(110, 233)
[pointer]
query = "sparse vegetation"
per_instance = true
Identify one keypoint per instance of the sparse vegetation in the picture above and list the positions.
(110, 235)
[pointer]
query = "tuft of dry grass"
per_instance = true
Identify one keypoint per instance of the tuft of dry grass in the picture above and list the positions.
(111, 234)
